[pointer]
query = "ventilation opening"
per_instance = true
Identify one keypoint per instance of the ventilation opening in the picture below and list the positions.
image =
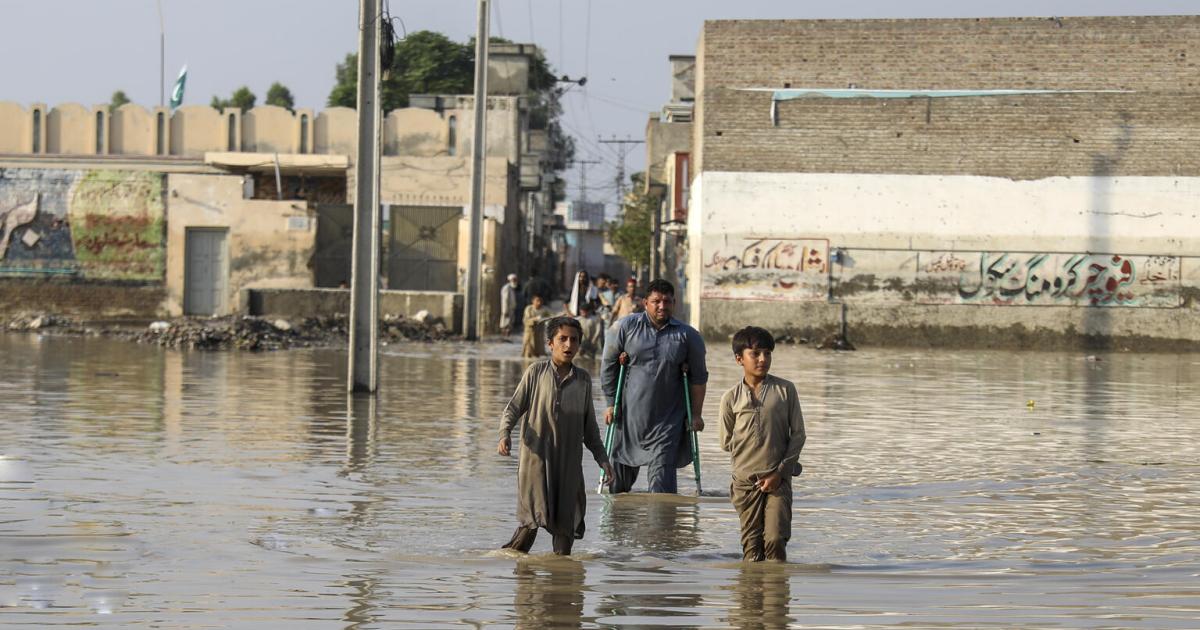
(231, 141)
(99, 132)
(304, 133)
(160, 145)
(37, 131)
(452, 137)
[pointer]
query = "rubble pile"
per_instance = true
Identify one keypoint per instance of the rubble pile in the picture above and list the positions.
(836, 342)
(225, 333)
(237, 332)
(398, 327)
(44, 322)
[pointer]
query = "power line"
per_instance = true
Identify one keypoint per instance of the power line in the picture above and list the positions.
(624, 147)
(499, 26)
(583, 169)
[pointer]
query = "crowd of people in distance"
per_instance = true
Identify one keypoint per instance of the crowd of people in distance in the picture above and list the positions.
(597, 303)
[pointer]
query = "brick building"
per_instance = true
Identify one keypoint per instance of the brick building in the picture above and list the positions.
(943, 177)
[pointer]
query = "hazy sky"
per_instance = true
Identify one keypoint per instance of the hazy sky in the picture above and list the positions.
(82, 50)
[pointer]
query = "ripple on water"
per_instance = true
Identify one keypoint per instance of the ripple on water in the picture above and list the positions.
(147, 487)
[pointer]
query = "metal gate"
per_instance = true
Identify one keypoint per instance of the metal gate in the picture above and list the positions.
(335, 243)
(206, 271)
(423, 249)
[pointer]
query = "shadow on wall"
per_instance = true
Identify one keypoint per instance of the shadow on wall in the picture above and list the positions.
(1097, 320)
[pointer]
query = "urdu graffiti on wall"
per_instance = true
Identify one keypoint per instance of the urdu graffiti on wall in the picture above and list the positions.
(1062, 279)
(762, 268)
(99, 223)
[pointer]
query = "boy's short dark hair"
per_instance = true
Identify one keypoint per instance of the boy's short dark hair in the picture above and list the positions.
(605, 277)
(752, 337)
(555, 323)
(587, 307)
(661, 286)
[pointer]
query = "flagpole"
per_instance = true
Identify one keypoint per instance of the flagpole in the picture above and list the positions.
(162, 57)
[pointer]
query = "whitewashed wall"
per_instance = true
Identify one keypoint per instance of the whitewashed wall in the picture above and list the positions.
(943, 240)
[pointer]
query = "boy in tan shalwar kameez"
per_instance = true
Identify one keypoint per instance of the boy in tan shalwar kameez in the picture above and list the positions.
(763, 430)
(534, 315)
(553, 403)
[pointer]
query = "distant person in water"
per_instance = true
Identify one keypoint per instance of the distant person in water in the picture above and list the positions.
(593, 332)
(763, 430)
(535, 314)
(627, 304)
(553, 405)
(508, 305)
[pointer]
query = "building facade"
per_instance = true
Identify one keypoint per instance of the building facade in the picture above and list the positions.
(989, 182)
(184, 210)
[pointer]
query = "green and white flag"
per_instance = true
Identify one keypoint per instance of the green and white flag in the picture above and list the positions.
(177, 91)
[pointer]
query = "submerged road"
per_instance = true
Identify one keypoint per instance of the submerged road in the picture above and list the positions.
(142, 487)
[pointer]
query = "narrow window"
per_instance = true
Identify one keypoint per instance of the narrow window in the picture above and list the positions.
(232, 141)
(37, 131)
(452, 141)
(304, 133)
(99, 132)
(160, 143)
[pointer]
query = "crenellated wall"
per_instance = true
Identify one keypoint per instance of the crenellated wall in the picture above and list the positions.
(193, 130)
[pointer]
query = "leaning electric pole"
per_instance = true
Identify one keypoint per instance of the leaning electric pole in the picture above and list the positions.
(364, 275)
(478, 154)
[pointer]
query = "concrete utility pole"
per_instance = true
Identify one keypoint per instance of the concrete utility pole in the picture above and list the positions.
(478, 154)
(364, 275)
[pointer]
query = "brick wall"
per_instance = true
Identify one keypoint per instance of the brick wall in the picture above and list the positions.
(1135, 53)
(1152, 131)
(1019, 137)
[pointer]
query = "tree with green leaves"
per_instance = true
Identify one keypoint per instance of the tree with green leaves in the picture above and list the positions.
(279, 95)
(242, 98)
(426, 62)
(630, 233)
(118, 99)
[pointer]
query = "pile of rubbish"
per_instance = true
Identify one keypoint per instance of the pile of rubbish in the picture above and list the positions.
(45, 322)
(239, 332)
(420, 327)
(224, 333)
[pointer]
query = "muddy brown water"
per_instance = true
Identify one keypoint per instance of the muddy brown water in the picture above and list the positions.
(142, 487)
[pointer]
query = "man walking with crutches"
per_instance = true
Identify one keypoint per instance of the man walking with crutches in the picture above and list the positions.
(651, 431)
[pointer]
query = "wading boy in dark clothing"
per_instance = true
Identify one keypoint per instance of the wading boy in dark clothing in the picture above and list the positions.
(553, 403)
(763, 430)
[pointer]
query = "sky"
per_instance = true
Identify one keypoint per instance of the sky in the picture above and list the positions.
(58, 51)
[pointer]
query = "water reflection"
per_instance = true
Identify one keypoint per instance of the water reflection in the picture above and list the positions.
(651, 522)
(549, 593)
(249, 489)
(362, 597)
(762, 595)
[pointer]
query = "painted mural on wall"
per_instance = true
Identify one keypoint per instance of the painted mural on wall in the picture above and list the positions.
(1057, 279)
(97, 224)
(753, 268)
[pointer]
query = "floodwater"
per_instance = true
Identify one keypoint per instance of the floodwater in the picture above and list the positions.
(142, 487)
